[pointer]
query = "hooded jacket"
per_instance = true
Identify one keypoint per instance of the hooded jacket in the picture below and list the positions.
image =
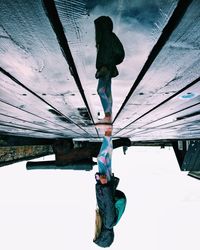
(111, 203)
(104, 34)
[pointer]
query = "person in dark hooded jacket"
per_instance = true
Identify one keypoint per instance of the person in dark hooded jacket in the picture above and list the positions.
(110, 52)
(111, 202)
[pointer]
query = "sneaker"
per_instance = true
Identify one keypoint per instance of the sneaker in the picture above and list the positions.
(108, 132)
(105, 120)
(101, 178)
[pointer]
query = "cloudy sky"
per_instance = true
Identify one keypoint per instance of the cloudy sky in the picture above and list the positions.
(55, 209)
(137, 23)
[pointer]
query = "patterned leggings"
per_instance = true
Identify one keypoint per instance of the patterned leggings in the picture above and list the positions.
(105, 94)
(104, 157)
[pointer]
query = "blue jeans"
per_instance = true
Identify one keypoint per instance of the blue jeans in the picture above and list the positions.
(105, 94)
(105, 156)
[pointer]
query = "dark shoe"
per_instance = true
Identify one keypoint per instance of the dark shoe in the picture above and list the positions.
(105, 120)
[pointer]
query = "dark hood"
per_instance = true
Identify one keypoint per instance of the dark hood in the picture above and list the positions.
(103, 29)
(105, 238)
(104, 23)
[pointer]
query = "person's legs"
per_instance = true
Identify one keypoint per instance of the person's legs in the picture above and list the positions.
(105, 94)
(104, 157)
(109, 98)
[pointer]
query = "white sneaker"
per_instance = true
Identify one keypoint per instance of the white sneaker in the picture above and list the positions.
(105, 120)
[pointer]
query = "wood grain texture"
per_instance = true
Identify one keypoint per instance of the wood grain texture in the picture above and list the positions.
(47, 68)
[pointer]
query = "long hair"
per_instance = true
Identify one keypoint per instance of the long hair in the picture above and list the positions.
(98, 224)
(103, 237)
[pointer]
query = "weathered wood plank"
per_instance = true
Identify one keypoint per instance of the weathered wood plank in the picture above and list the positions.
(19, 123)
(37, 60)
(184, 105)
(9, 111)
(180, 130)
(166, 135)
(54, 19)
(28, 117)
(22, 99)
(40, 98)
(15, 130)
(163, 80)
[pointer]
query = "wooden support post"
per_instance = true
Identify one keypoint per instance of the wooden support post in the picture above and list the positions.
(188, 155)
(192, 158)
(83, 165)
(180, 151)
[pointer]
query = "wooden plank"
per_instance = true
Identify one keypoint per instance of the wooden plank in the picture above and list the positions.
(19, 114)
(25, 127)
(86, 165)
(11, 112)
(186, 126)
(22, 99)
(166, 135)
(162, 80)
(37, 61)
(15, 130)
(9, 121)
(180, 105)
(54, 19)
(178, 110)
(189, 131)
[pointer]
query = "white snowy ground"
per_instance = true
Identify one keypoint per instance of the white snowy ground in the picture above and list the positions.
(54, 210)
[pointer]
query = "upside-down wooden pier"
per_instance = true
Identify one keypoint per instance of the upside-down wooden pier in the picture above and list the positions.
(47, 68)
